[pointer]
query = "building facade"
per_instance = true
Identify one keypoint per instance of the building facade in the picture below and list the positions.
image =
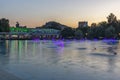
(45, 33)
(82, 24)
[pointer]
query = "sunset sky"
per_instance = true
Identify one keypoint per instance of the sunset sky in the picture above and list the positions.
(34, 13)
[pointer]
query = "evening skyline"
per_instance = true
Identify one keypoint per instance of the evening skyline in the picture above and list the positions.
(33, 13)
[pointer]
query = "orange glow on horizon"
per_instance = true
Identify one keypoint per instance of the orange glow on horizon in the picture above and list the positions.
(33, 24)
(37, 24)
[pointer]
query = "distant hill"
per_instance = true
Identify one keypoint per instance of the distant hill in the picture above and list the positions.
(54, 25)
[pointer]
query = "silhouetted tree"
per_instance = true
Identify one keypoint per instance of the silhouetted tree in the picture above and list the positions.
(17, 24)
(4, 25)
(100, 32)
(110, 32)
(93, 25)
(78, 34)
(112, 19)
(67, 33)
(95, 33)
(91, 33)
(118, 26)
(103, 24)
(0, 29)
(84, 31)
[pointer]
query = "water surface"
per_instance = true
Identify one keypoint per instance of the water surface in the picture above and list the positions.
(61, 60)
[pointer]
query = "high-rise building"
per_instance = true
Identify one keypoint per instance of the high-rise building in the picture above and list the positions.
(82, 24)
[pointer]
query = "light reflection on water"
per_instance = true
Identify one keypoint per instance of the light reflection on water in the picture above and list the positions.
(61, 60)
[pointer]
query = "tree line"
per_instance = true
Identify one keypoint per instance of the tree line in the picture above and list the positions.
(109, 29)
(4, 25)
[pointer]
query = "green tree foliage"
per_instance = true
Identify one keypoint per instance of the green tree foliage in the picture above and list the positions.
(0, 29)
(78, 34)
(95, 32)
(112, 19)
(91, 33)
(93, 25)
(4, 25)
(110, 32)
(118, 26)
(101, 32)
(110, 29)
(103, 24)
(67, 32)
(84, 30)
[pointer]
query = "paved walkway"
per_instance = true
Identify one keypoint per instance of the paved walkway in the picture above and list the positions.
(7, 76)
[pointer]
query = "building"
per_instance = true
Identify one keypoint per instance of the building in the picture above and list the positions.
(45, 33)
(82, 24)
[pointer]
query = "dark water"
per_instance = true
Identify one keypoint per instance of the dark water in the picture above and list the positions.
(61, 60)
